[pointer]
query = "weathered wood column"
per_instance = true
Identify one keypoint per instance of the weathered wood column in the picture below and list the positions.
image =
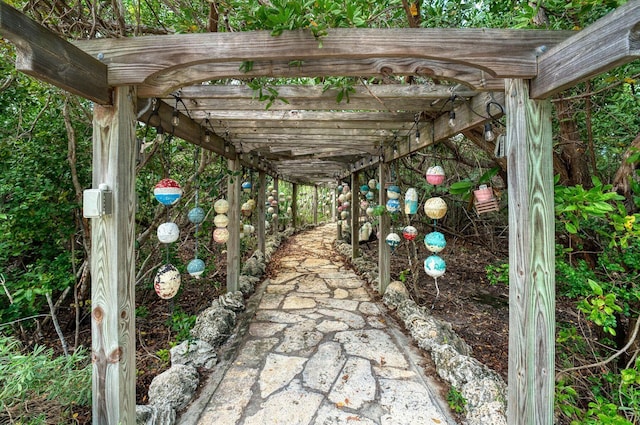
(336, 214)
(113, 263)
(334, 206)
(355, 216)
(315, 205)
(384, 253)
(531, 258)
(294, 205)
(234, 189)
(262, 187)
(275, 222)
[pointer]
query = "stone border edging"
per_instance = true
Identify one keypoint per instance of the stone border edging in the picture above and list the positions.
(483, 389)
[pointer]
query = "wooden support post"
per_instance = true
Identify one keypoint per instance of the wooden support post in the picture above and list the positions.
(334, 206)
(113, 263)
(384, 252)
(531, 258)
(355, 216)
(294, 205)
(276, 222)
(262, 187)
(336, 214)
(234, 189)
(315, 205)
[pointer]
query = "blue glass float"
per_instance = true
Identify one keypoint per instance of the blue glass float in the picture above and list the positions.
(435, 242)
(364, 189)
(393, 192)
(370, 195)
(246, 187)
(196, 215)
(195, 268)
(434, 266)
(393, 205)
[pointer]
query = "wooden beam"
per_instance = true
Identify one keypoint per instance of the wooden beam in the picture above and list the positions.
(531, 258)
(355, 216)
(164, 82)
(113, 341)
(609, 42)
(260, 210)
(384, 252)
(500, 52)
(45, 56)
(234, 191)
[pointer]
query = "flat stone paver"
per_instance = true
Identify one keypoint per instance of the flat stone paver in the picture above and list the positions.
(320, 351)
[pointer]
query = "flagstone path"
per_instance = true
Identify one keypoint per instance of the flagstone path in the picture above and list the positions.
(318, 350)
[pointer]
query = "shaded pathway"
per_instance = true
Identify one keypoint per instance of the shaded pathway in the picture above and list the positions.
(318, 350)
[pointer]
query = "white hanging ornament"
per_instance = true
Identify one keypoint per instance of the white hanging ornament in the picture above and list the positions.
(168, 232)
(372, 184)
(434, 266)
(167, 281)
(393, 240)
(435, 208)
(221, 235)
(393, 192)
(221, 220)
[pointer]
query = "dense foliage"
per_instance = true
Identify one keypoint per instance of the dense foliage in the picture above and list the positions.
(45, 149)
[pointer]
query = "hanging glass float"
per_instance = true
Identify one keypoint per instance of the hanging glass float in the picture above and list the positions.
(365, 231)
(435, 208)
(393, 240)
(221, 235)
(370, 195)
(246, 209)
(167, 281)
(345, 188)
(346, 204)
(274, 193)
(344, 215)
(364, 205)
(246, 187)
(252, 204)
(341, 198)
(270, 188)
(435, 175)
(221, 206)
(168, 232)
(369, 211)
(411, 201)
(195, 268)
(409, 233)
(196, 215)
(274, 216)
(221, 220)
(339, 188)
(434, 266)
(435, 242)
(246, 229)
(393, 192)
(347, 196)
(372, 184)
(393, 205)
(271, 210)
(364, 189)
(167, 191)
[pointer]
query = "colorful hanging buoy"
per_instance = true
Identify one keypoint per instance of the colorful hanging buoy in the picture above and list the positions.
(221, 235)
(167, 191)
(364, 205)
(344, 215)
(435, 242)
(370, 195)
(221, 220)
(364, 189)
(435, 208)
(168, 232)
(369, 211)
(196, 215)
(435, 175)
(167, 281)
(271, 210)
(393, 205)
(409, 233)
(246, 209)
(221, 206)
(434, 266)
(246, 187)
(411, 201)
(393, 192)
(393, 240)
(372, 184)
(195, 268)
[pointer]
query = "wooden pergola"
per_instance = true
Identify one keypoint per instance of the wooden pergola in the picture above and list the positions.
(315, 140)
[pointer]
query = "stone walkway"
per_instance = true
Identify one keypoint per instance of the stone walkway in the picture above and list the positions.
(316, 349)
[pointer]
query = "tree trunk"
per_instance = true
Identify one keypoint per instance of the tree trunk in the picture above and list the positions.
(572, 148)
(624, 175)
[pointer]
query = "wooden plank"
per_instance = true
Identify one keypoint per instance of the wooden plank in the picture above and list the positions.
(113, 342)
(43, 55)
(609, 42)
(164, 82)
(355, 216)
(294, 206)
(500, 52)
(384, 252)
(234, 193)
(314, 206)
(260, 210)
(531, 258)
(302, 117)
